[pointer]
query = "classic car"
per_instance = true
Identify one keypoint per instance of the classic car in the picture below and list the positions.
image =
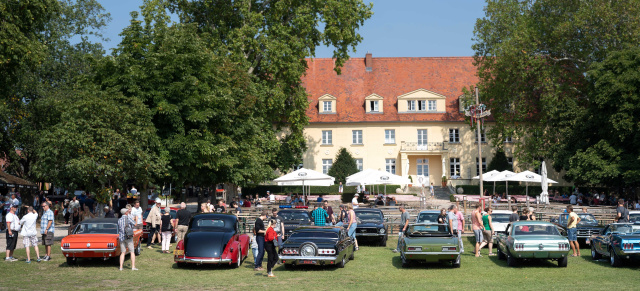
(618, 241)
(532, 240)
(429, 242)
(96, 238)
(145, 227)
(371, 226)
(428, 216)
(212, 238)
(587, 226)
(294, 218)
(634, 216)
(500, 220)
(317, 245)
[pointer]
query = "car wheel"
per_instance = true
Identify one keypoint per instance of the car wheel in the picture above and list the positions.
(238, 259)
(138, 250)
(594, 254)
(562, 263)
(615, 260)
(456, 263)
(383, 242)
(512, 261)
(71, 261)
(501, 255)
(343, 262)
(405, 262)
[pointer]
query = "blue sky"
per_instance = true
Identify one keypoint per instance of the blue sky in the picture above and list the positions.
(398, 28)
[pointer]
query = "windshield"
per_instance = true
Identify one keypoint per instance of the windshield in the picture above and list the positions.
(625, 228)
(98, 228)
(634, 217)
(295, 216)
(584, 218)
(428, 217)
(536, 230)
(369, 216)
(430, 229)
(313, 234)
(208, 222)
(500, 217)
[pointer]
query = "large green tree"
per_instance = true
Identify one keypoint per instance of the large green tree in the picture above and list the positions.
(344, 166)
(533, 58)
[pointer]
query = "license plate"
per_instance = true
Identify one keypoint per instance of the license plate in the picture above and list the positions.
(307, 262)
(178, 252)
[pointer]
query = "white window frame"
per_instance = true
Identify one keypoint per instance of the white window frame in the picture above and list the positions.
(508, 139)
(327, 106)
(327, 137)
(411, 105)
(454, 135)
(373, 104)
(431, 105)
(454, 167)
(356, 136)
(483, 136)
(326, 165)
(390, 136)
(422, 105)
(423, 138)
(360, 164)
(421, 165)
(390, 165)
(484, 166)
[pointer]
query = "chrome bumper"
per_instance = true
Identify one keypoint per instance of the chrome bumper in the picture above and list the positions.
(308, 258)
(432, 253)
(202, 261)
(88, 250)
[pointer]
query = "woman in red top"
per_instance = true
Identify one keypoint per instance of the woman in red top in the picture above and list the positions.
(270, 247)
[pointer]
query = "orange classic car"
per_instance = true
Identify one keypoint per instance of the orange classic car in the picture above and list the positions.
(96, 238)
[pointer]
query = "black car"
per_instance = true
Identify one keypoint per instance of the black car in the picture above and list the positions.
(317, 245)
(294, 218)
(587, 227)
(371, 226)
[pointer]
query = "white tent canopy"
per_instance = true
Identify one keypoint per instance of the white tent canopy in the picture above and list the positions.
(305, 177)
(487, 175)
(528, 177)
(375, 177)
(495, 176)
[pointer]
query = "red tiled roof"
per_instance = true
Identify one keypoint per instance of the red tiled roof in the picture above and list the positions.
(389, 78)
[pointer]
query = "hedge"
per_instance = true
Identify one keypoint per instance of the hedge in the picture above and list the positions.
(347, 193)
(517, 189)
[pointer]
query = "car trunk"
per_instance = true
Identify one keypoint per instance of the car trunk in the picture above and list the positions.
(206, 244)
(96, 241)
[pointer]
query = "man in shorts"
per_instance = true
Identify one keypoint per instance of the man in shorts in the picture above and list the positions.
(126, 242)
(13, 226)
(478, 228)
(572, 231)
(46, 229)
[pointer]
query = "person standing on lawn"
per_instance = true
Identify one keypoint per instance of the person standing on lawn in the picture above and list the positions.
(30, 233)
(478, 228)
(47, 229)
(454, 223)
(270, 247)
(136, 212)
(126, 241)
(166, 226)
(488, 229)
(354, 201)
(13, 226)
(155, 220)
(514, 216)
(260, 232)
(460, 227)
(352, 224)
(622, 212)
(331, 220)
(404, 223)
(572, 231)
(278, 227)
(319, 216)
(183, 221)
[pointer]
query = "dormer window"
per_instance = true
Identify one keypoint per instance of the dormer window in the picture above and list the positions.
(421, 101)
(327, 104)
(373, 103)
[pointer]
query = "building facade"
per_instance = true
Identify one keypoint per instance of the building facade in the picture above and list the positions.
(402, 115)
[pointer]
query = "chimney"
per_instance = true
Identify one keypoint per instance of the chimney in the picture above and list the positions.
(368, 62)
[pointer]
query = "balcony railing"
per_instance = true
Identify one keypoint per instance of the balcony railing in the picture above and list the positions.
(427, 147)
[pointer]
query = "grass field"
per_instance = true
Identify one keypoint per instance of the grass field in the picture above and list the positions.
(374, 268)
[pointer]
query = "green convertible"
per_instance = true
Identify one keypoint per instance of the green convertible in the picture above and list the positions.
(532, 240)
(429, 242)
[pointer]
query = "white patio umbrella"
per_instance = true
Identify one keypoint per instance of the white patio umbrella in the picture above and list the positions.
(543, 183)
(305, 177)
(501, 177)
(528, 177)
(376, 177)
(488, 175)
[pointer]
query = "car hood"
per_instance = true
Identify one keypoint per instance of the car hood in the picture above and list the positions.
(370, 224)
(206, 244)
(633, 237)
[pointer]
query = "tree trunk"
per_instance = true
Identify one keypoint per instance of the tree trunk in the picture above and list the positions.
(144, 198)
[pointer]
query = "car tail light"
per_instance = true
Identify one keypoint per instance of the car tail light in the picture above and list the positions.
(449, 249)
(563, 246)
(111, 245)
(66, 245)
(300, 206)
(326, 252)
(289, 251)
(415, 249)
(518, 247)
(180, 245)
(627, 246)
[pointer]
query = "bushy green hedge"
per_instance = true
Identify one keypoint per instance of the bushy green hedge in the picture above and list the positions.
(517, 189)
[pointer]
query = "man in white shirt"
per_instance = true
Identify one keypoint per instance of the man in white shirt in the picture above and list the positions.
(272, 197)
(13, 226)
(30, 233)
(354, 201)
(573, 199)
(136, 212)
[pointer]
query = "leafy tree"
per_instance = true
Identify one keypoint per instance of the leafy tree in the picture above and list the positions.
(533, 58)
(499, 162)
(344, 166)
(96, 137)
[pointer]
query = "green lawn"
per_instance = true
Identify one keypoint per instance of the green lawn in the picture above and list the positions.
(374, 268)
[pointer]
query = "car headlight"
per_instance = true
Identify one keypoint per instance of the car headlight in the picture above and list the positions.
(381, 231)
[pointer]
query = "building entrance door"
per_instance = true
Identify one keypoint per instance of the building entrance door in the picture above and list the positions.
(422, 166)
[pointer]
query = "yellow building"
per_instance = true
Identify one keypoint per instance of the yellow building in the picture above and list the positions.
(402, 115)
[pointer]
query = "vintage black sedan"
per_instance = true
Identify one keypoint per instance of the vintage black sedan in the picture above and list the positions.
(317, 245)
(618, 241)
(212, 238)
(371, 226)
(587, 227)
(294, 218)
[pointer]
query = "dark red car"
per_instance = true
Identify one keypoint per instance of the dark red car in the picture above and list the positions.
(145, 228)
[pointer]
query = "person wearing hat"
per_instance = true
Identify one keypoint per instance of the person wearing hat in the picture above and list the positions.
(155, 219)
(108, 213)
(354, 201)
(126, 242)
(13, 227)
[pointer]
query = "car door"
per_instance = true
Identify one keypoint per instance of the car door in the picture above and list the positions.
(605, 240)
